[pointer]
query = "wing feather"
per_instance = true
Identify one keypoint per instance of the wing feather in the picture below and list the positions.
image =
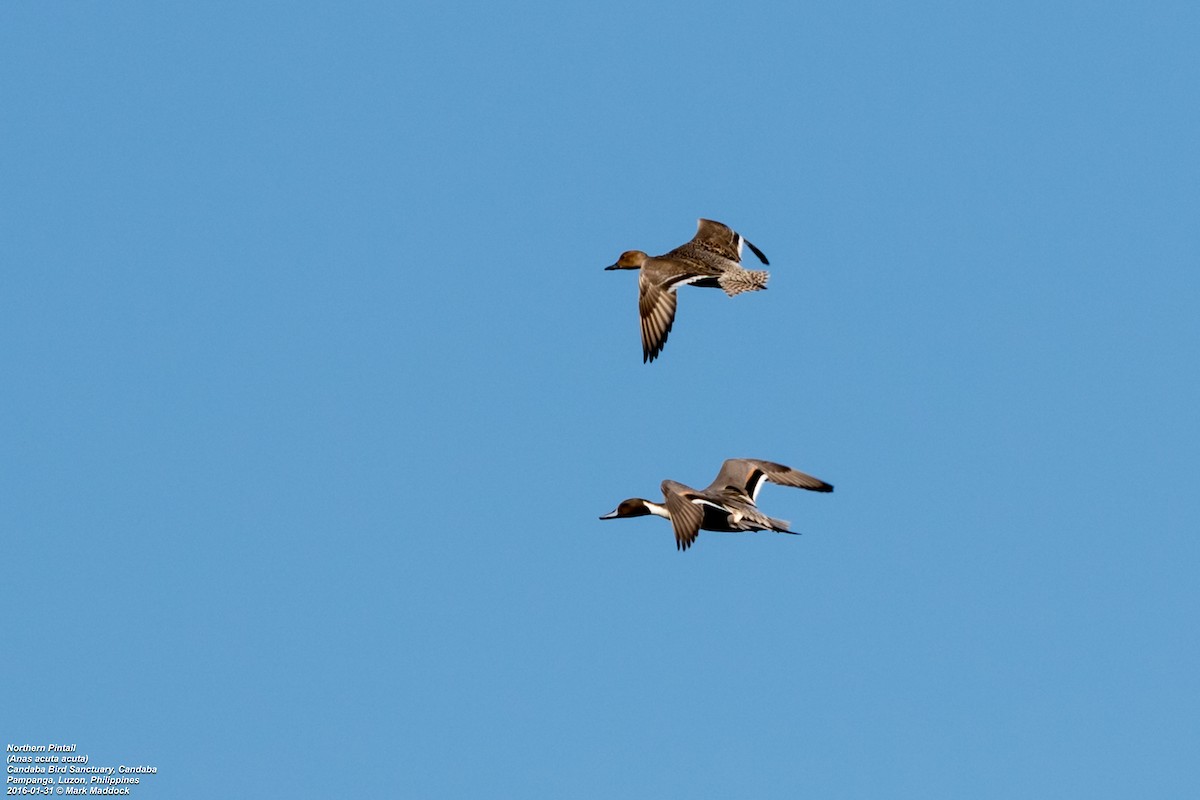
(719, 238)
(686, 515)
(656, 306)
(745, 476)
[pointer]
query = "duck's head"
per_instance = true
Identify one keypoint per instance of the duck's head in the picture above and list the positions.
(633, 507)
(630, 259)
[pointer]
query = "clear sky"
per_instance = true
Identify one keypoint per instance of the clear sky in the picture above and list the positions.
(314, 388)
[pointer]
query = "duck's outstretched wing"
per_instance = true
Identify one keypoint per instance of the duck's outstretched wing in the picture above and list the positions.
(719, 238)
(656, 306)
(745, 476)
(686, 513)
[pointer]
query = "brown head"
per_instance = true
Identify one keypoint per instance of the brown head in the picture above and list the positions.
(630, 259)
(633, 507)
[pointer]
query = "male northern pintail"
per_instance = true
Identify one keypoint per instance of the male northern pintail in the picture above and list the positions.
(727, 504)
(713, 258)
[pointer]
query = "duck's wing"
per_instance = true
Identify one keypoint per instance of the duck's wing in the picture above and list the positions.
(686, 513)
(656, 306)
(719, 238)
(745, 476)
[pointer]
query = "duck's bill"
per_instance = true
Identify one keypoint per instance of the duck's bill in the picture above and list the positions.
(611, 515)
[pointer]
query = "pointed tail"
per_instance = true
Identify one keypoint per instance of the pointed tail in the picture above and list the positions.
(782, 526)
(743, 280)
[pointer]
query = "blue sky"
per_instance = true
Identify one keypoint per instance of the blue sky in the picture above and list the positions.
(315, 387)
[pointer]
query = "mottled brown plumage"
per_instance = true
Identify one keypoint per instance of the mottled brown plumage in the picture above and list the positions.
(711, 259)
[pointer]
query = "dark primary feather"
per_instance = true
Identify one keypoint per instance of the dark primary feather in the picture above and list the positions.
(756, 251)
(744, 476)
(686, 516)
(656, 308)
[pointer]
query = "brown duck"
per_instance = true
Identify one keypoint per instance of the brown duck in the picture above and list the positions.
(713, 258)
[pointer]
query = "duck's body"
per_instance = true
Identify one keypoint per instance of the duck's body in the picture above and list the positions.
(713, 258)
(726, 505)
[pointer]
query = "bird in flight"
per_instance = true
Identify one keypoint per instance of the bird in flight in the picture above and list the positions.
(727, 504)
(713, 258)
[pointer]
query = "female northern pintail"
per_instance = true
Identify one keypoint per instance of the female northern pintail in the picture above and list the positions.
(727, 504)
(712, 258)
